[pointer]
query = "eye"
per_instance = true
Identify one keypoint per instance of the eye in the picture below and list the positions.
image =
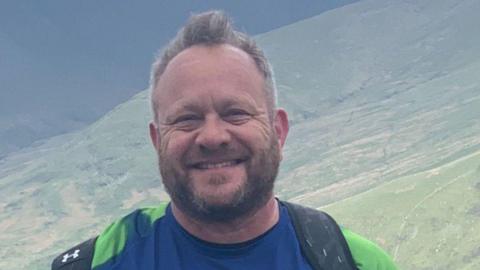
(236, 116)
(187, 117)
(187, 121)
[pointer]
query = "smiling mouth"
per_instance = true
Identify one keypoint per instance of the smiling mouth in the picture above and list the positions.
(216, 165)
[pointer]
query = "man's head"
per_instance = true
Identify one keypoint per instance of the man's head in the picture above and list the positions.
(209, 29)
(216, 129)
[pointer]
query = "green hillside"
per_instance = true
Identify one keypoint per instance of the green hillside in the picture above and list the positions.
(427, 220)
(384, 99)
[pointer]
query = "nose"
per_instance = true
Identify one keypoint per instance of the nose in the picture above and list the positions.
(213, 135)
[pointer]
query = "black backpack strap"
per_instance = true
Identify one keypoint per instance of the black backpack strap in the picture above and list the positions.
(77, 258)
(321, 240)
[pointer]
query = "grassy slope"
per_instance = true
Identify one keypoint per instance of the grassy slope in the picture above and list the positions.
(427, 220)
(72, 187)
(377, 90)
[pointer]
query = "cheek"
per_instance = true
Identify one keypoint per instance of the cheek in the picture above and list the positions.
(174, 145)
(264, 131)
(256, 136)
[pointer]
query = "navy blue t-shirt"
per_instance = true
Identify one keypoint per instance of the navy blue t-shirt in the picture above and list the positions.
(170, 247)
(277, 248)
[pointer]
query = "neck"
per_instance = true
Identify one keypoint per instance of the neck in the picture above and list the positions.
(237, 231)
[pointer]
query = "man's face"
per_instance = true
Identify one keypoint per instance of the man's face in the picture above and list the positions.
(218, 149)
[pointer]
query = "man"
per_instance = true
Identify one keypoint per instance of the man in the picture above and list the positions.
(219, 139)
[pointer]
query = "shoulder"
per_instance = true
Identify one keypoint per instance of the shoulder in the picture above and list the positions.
(366, 254)
(114, 240)
(321, 232)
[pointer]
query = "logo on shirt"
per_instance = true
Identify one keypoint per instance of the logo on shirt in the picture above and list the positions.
(69, 256)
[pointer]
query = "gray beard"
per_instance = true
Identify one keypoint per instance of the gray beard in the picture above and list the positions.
(247, 200)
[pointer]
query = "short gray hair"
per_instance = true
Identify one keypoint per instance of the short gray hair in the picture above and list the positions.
(209, 29)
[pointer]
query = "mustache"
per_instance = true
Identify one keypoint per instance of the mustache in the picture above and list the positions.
(220, 154)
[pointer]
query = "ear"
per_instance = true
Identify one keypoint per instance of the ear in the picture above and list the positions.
(281, 126)
(154, 136)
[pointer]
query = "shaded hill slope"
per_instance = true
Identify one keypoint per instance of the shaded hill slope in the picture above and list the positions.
(64, 64)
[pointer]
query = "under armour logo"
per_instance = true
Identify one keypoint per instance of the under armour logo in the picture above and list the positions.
(68, 256)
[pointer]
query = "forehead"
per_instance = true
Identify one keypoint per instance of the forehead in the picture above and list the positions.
(201, 71)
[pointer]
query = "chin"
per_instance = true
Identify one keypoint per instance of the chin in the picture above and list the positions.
(218, 195)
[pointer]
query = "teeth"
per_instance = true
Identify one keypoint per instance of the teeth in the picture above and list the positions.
(216, 165)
